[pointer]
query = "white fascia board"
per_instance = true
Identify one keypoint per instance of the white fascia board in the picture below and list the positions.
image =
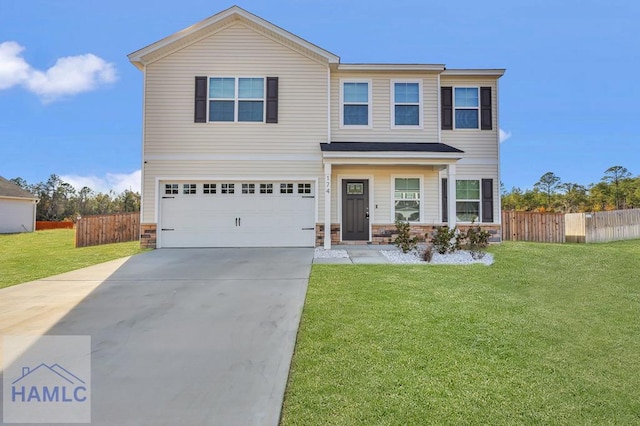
(495, 72)
(6, 197)
(391, 155)
(391, 67)
(136, 57)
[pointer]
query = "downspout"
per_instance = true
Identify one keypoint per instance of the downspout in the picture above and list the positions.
(143, 162)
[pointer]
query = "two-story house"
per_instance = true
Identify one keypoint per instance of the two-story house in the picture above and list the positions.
(253, 136)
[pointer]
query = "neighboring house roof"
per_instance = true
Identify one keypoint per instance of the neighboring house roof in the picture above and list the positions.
(386, 147)
(219, 21)
(9, 189)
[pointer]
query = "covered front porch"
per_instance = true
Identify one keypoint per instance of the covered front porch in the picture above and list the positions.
(367, 186)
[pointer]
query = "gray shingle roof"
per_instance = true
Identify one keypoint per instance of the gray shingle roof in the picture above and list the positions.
(10, 189)
(387, 146)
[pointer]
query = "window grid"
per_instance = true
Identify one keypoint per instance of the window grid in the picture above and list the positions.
(189, 188)
(466, 102)
(234, 99)
(406, 104)
(266, 188)
(407, 199)
(227, 188)
(356, 103)
(304, 188)
(209, 188)
(468, 200)
(171, 188)
(248, 188)
(286, 188)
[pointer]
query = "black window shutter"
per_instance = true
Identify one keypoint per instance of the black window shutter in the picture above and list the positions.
(200, 109)
(446, 99)
(486, 121)
(445, 201)
(487, 200)
(272, 99)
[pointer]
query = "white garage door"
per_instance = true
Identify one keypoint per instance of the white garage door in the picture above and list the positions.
(237, 214)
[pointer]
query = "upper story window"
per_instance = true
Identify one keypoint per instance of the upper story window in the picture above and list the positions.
(467, 107)
(356, 103)
(407, 103)
(236, 99)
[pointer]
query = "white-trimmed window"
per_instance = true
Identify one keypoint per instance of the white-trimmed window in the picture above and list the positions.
(188, 188)
(406, 97)
(355, 99)
(468, 200)
(234, 99)
(466, 104)
(406, 198)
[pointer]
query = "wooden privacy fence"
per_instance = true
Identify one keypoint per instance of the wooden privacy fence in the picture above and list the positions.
(600, 227)
(42, 225)
(533, 226)
(107, 229)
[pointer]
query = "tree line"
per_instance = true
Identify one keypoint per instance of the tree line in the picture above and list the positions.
(59, 200)
(618, 189)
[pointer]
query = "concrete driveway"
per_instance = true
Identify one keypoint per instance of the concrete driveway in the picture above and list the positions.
(179, 336)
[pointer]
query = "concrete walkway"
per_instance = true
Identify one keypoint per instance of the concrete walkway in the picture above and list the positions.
(179, 336)
(358, 254)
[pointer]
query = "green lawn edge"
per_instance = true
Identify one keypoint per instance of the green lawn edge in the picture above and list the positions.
(34, 255)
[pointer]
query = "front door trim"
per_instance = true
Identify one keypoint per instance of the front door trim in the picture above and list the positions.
(341, 178)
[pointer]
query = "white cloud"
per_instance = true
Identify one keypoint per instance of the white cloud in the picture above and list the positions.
(504, 135)
(118, 182)
(13, 68)
(69, 76)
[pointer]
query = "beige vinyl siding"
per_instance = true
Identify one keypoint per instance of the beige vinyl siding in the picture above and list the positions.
(382, 191)
(476, 144)
(381, 130)
(171, 137)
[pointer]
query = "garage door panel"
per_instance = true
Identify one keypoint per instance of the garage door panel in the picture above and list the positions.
(237, 220)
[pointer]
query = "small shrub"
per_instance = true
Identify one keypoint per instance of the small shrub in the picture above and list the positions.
(447, 240)
(477, 241)
(404, 240)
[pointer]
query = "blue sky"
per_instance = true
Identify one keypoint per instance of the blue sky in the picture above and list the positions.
(71, 103)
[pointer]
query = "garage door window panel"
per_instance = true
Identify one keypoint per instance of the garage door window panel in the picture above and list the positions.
(227, 188)
(266, 188)
(286, 188)
(248, 188)
(189, 188)
(209, 188)
(171, 189)
(304, 188)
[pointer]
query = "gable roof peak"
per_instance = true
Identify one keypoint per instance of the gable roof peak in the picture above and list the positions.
(145, 55)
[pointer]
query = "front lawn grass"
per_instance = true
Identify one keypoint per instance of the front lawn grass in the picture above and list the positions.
(549, 334)
(30, 256)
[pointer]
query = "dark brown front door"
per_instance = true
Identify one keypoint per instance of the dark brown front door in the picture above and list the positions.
(355, 210)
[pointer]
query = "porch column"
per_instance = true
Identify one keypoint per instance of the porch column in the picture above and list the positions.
(451, 197)
(327, 206)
